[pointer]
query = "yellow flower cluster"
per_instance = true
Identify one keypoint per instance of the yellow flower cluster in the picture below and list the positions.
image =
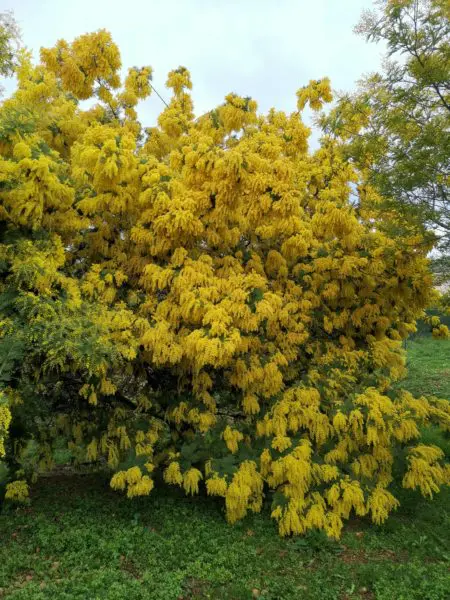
(5, 420)
(17, 491)
(316, 93)
(231, 438)
(425, 472)
(245, 492)
(133, 481)
(216, 486)
(206, 296)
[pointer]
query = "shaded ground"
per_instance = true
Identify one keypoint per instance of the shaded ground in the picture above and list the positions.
(81, 541)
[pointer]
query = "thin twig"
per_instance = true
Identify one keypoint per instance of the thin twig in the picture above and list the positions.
(159, 95)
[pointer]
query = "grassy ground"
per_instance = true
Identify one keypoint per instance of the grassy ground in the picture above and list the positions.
(80, 541)
(428, 367)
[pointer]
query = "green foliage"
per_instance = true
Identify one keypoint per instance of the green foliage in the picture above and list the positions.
(9, 43)
(78, 541)
(397, 123)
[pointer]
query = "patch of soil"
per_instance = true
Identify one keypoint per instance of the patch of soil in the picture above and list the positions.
(194, 588)
(397, 557)
(129, 567)
(349, 556)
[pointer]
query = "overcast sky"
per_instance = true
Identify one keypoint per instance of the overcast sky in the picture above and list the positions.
(266, 49)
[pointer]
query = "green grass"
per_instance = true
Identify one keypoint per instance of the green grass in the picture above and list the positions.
(78, 540)
(428, 367)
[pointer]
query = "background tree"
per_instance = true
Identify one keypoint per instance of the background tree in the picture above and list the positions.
(396, 126)
(9, 44)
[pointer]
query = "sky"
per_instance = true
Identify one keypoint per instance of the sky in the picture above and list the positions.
(265, 49)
